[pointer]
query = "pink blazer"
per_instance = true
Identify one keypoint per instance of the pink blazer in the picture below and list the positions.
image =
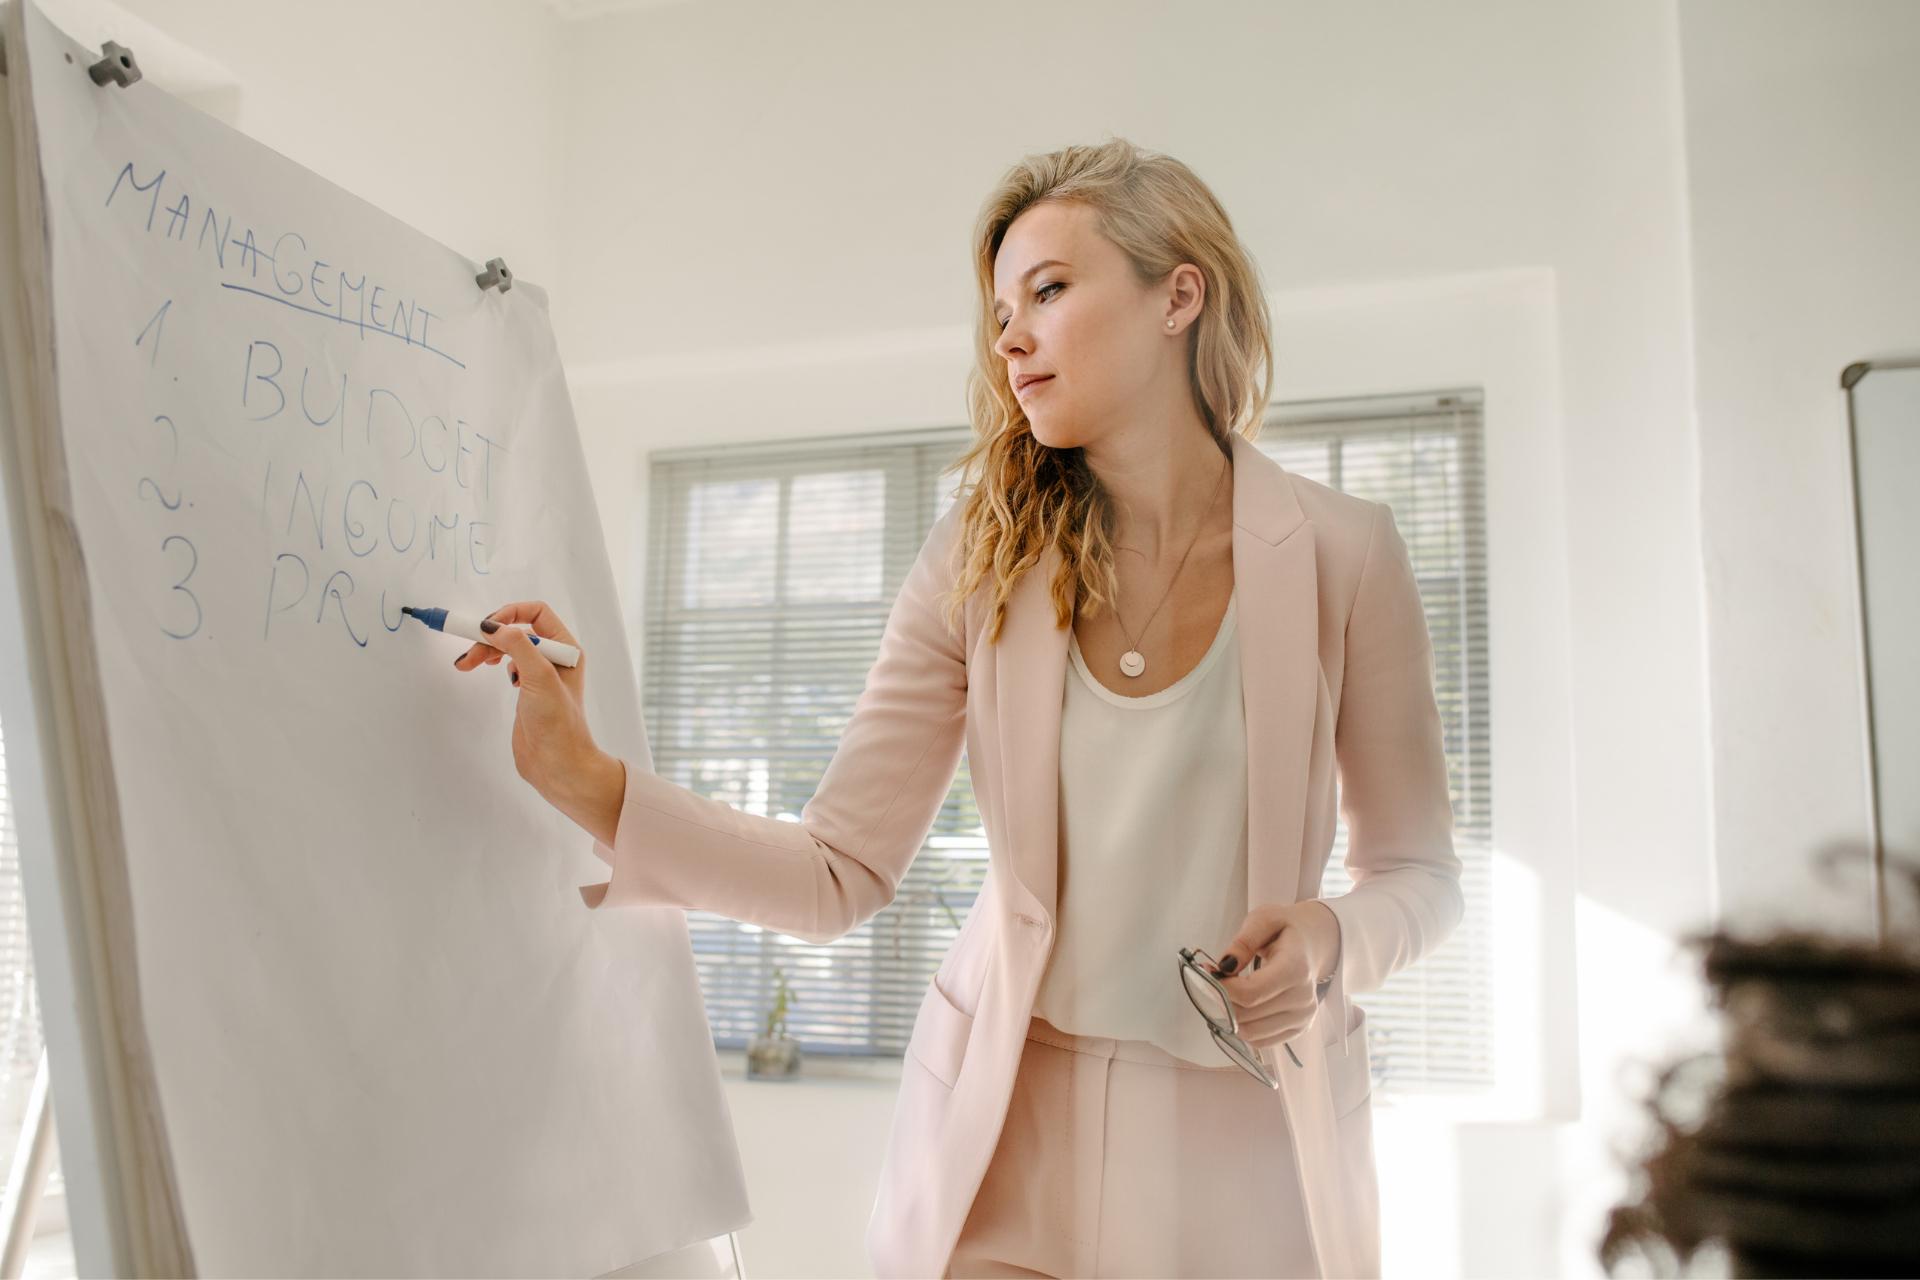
(1337, 672)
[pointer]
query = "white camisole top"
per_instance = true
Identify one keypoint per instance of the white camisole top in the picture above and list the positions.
(1153, 849)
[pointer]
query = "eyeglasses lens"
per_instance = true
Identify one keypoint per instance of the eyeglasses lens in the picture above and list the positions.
(1207, 998)
(1212, 1003)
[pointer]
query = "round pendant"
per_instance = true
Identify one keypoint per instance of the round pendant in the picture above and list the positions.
(1132, 663)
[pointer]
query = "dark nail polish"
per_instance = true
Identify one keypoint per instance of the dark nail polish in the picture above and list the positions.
(489, 626)
(1230, 964)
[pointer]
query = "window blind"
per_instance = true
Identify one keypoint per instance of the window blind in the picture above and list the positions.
(1431, 1026)
(770, 573)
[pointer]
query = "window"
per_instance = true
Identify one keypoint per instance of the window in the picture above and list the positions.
(771, 571)
(1431, 1026)
(19, 996)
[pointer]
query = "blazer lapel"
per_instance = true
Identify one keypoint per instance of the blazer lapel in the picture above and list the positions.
(1279, 620)
(1274, 575)
(1030, 671)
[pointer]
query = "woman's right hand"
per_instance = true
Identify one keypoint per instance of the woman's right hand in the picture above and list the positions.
(553, 747)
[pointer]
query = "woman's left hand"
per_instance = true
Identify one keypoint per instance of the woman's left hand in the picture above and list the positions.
(1275, 1002)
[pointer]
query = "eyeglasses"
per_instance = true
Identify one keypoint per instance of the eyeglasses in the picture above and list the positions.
(1210, 998)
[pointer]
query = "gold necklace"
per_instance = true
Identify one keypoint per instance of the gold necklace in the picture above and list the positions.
(1132, 663)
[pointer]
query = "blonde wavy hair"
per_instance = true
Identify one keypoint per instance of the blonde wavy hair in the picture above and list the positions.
(1021, 496)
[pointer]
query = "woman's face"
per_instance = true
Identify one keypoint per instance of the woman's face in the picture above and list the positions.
(1070, 308)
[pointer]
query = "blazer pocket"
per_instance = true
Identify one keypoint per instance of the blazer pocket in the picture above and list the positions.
(1351, 1074)
(939, 1039)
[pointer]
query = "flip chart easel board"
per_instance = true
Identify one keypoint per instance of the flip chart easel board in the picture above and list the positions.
(388, 1035)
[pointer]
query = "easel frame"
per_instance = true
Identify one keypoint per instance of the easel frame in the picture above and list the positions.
(123, 1205)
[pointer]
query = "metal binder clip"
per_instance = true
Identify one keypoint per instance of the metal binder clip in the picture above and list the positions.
(118, 66)
(495, 274)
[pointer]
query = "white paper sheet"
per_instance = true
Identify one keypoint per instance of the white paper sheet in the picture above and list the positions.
(390, 1037)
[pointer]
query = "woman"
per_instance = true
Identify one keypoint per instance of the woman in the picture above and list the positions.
(1156, 646)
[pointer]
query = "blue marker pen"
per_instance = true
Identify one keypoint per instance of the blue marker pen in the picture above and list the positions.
(557, 652)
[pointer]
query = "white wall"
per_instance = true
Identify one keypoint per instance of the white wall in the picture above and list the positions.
(1654, 233)
(1805, 196)
(442, 112)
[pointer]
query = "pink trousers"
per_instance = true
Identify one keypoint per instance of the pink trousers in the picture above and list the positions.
(1118, 1159)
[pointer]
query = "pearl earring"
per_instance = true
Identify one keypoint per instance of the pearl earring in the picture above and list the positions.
(1169, 324)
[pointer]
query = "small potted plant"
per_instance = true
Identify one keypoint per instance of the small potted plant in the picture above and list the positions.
(773, 1056)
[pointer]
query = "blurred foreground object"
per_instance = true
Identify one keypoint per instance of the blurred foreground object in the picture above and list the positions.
(1797, 1146)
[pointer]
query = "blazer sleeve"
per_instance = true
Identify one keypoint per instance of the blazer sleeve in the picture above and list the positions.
(1406, 896)
(824, 876)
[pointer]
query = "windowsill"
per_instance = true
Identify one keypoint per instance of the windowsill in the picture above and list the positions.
(819, 1068)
